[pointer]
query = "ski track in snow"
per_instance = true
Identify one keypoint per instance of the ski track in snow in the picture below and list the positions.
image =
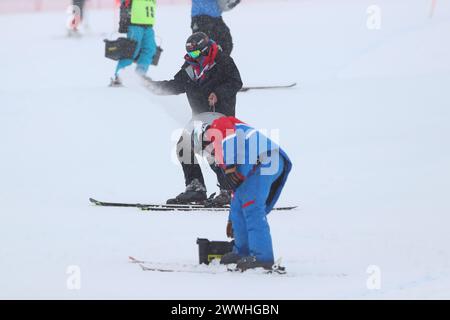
(366, 129)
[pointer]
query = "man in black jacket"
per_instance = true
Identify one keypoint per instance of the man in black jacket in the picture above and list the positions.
(211, 82)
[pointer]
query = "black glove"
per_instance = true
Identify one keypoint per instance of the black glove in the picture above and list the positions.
(232, 179)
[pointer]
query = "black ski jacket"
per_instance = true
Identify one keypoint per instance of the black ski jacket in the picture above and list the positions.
(223, 79)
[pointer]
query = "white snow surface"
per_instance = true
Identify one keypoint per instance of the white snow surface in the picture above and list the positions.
(367, 130)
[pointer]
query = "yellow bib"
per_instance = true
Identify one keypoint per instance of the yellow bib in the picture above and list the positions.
(143, 12)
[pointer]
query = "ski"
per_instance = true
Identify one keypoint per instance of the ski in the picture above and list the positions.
(113, 204)
(139, 205)
(184, 268)
(183, 208)
(177, 267)
(214, 268)
(198, 208)
(173, 207)
(291, 85)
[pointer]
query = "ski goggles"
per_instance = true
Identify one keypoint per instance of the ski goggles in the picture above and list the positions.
(194, 54)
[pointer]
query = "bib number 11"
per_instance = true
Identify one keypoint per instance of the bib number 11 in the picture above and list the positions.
(149, 10)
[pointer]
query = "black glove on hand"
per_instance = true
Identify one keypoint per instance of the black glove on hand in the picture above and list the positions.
(233, 179)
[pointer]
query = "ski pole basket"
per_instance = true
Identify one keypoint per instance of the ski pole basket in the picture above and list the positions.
(122, 48)
(209, 250)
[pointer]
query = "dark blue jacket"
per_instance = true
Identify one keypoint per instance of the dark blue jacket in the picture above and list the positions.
(206, 7)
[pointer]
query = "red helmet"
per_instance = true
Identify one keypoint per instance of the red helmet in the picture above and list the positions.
(218, 131)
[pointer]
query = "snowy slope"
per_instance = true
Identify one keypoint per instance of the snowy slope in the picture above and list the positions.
(367, 131)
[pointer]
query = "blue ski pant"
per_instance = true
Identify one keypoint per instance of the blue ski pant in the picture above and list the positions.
(248, 216)
(145, 49)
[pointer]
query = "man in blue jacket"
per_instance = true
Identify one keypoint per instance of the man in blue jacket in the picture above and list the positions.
(207, 18)
(256, 170)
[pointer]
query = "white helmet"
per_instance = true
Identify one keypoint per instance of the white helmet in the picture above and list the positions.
(198, 136)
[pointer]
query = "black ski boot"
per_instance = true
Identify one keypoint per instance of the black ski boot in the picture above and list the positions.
(222, 200)
(195, 193)
(250, 262)
(229, 258)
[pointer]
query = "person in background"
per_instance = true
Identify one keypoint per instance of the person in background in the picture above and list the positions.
(137, 18)
(76, 18)
(80, 4)
(207, 18)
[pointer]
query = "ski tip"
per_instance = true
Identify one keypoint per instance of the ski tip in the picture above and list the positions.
(283, 86)
(92, 200)
(285, 208)
(134, 260)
